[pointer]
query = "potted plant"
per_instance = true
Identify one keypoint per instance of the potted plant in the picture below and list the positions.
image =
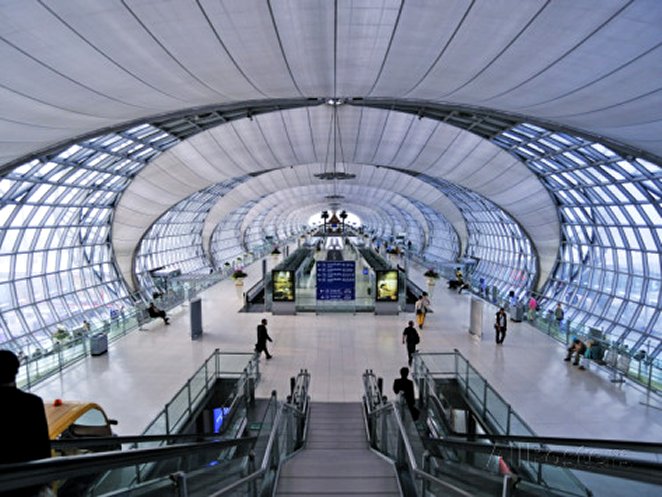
(238, 276)
(432, 275)
(60, 335)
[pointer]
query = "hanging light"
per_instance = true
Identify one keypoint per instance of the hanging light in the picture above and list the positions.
(334, 174)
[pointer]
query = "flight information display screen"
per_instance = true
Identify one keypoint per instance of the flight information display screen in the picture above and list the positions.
(336, 280)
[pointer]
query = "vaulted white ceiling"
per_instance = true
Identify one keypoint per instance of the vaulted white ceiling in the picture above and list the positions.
(77, 67)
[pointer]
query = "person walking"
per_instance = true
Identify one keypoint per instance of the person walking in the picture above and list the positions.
(533, 307)
(421, 308)
(23, 425)
(501, 325)
(262, 339)
(411, 338)
(559, 315)
(405, 386)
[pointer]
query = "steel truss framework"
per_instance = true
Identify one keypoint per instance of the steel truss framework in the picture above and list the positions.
(608, 272)
(56, 212)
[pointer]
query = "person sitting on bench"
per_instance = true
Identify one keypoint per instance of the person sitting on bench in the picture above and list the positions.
(155, 312)
(578, 348)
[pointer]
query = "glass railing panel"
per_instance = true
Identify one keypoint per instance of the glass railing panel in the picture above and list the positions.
(157, 427)
(478, 482)
(519, 427)
(265, 427)
(178, 409)
(233, 363)
(207, 468)
(199, 385)
(496, 410)
(475, 387)
(439, 364)
(559, 479)
(462, 371)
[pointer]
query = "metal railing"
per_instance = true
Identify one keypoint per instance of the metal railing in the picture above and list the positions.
(243, 366)
(636, 365)
(488, 464)
(73, 344)
(388, 435)
(494, 413)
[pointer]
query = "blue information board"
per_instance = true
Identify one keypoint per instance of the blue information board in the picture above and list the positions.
(336, 280)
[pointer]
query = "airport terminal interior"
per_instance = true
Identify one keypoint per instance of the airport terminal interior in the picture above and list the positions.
(320, 165)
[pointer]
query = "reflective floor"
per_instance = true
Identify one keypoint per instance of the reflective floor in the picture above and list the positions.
(143, 371)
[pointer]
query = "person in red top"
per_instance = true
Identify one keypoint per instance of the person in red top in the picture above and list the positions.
(533, 307)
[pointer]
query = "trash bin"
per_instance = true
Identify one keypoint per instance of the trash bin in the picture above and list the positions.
(517, 314)
(196, 318)
(98, 344)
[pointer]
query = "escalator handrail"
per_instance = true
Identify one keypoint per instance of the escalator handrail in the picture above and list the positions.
(631, 469)
(264, 466)
(265, 461)
(596, 443)
(438, 405)
(373, 397)
(300, 392)
(83, 442)
(46, 470)
(413, 465)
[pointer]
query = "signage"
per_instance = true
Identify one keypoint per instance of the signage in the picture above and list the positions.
(283, 286)
(387, 285)
(336, 280)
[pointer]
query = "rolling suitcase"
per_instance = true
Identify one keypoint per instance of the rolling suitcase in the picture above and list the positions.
(98, 344)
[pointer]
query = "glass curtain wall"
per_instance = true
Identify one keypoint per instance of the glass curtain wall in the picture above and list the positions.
(174, 242)
(56, 261)
(226, 249)
(443, 244)
(505, 255)
(257, 237)
(608, 271)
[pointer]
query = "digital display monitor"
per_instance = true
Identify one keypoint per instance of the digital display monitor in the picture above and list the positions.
(336, 280)
(283, 284)
(387, 286)
(219, 414)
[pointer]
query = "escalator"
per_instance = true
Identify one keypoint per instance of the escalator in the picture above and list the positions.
(337, 458)
(468, 442)
(236, 462)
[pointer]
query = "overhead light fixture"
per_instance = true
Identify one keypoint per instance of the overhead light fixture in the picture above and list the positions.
(333, 173)
(335, 101)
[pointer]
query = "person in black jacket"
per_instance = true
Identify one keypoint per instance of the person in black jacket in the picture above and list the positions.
(411, 337)
(501, 325)
(262, 338)
(23, 425)
(155, 312)
(576, 348)
(405, 386)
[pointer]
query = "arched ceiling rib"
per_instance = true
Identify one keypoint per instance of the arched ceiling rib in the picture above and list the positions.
(279, 203)
(76, 67)
(371, 143)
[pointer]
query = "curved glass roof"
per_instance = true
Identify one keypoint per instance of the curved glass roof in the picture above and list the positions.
(511, 139)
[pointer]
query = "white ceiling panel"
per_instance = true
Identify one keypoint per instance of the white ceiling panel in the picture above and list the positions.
(75, 68)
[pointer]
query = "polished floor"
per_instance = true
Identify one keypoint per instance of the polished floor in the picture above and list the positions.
(144, 370)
